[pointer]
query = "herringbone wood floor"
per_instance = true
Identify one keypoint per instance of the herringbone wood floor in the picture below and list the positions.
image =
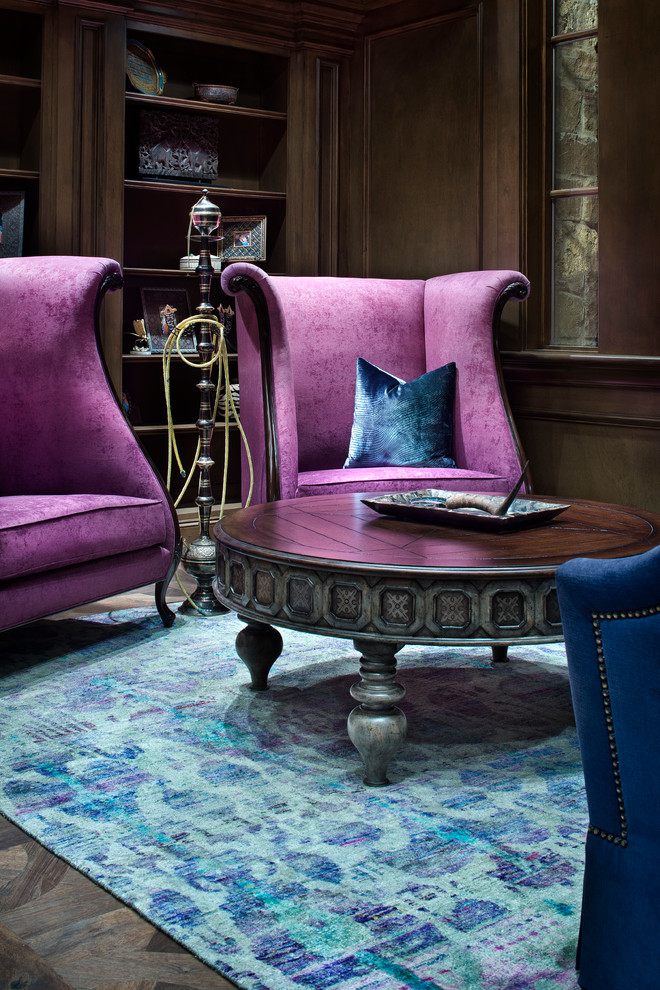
(60, 931)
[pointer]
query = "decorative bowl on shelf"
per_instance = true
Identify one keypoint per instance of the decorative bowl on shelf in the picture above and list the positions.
(215, 93)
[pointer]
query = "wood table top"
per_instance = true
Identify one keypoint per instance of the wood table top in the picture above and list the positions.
(332, 529)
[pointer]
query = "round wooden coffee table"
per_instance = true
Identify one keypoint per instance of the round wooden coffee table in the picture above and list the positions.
(331, 565)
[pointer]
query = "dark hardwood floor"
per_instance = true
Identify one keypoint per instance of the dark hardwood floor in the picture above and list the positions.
(60, 931)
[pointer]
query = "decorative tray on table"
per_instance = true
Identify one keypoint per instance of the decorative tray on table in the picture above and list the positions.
(430, 506)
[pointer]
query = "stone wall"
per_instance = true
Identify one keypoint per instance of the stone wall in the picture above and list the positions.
(575, 217)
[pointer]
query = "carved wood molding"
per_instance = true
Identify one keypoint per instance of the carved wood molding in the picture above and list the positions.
(107, 6)
(328, 89)
(277, 24)
(582, 388)
(581, 368)
(384, 608)
(280, 24)
(90, 156)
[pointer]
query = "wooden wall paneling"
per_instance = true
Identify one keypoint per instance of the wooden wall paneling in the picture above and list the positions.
(316, 156)
(302, 180)
(617, 465)
(90, 124)
(83, 129)
(346, 219)
(502, 137)
(535, 167)
(422, 141)
(590, 421)
(629, 182)
(589, 424)
(352, 203)
(82, 147)
(101, 46)
(328, 78)
(101, 73)
(57, 124)
(504, 162)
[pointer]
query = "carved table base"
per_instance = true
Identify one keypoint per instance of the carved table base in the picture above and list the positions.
(330, 565)
(377, 728)
(259, 646)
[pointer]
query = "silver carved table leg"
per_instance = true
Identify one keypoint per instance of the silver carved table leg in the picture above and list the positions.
(377, 728)
(259, 645)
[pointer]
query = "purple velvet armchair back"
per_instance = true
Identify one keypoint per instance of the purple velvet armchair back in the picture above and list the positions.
(459, 315)
(336, 321)
(62, 430)
(320, 326)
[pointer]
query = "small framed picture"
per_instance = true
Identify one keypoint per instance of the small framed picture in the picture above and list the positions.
(163, 310)
(244, 239)
(12, 206)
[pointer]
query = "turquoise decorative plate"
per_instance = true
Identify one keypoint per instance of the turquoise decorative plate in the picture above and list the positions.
(428, 506)
(142, 69)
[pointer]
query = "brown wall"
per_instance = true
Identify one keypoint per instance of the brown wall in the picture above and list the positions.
(591, 422)
(416, 146)
(448, 171)
(423, 147)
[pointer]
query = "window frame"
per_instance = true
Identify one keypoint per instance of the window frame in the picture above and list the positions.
(555, 194)
(537, 247)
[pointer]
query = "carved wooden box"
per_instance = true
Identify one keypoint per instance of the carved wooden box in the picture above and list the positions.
(178, 146)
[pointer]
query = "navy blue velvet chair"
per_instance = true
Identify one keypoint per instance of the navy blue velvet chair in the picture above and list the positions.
(610, 612)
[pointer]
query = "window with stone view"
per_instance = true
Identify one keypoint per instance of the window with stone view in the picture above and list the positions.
(575, 174)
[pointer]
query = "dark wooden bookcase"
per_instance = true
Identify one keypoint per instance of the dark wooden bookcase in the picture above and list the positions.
(251, 182)
(20, 133)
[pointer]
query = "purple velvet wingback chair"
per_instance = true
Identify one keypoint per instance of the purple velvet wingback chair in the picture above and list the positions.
(83, 515)
(299, 339)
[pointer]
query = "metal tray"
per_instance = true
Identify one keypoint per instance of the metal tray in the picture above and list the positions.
(428, 506)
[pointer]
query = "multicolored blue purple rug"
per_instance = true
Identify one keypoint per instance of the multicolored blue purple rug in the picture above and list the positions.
(238, 822)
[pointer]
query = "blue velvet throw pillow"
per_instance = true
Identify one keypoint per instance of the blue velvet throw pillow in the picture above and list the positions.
(399, 424)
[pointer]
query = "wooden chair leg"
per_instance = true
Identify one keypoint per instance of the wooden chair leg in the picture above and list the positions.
(165, 612)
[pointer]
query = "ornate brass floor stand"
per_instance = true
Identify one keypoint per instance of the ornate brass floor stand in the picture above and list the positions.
(199, 557)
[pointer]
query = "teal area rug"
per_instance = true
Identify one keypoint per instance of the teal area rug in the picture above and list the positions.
(238, 822)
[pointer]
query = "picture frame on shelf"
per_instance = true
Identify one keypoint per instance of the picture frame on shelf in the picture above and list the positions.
(244, 239)
(12, 218)
(162, 310)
